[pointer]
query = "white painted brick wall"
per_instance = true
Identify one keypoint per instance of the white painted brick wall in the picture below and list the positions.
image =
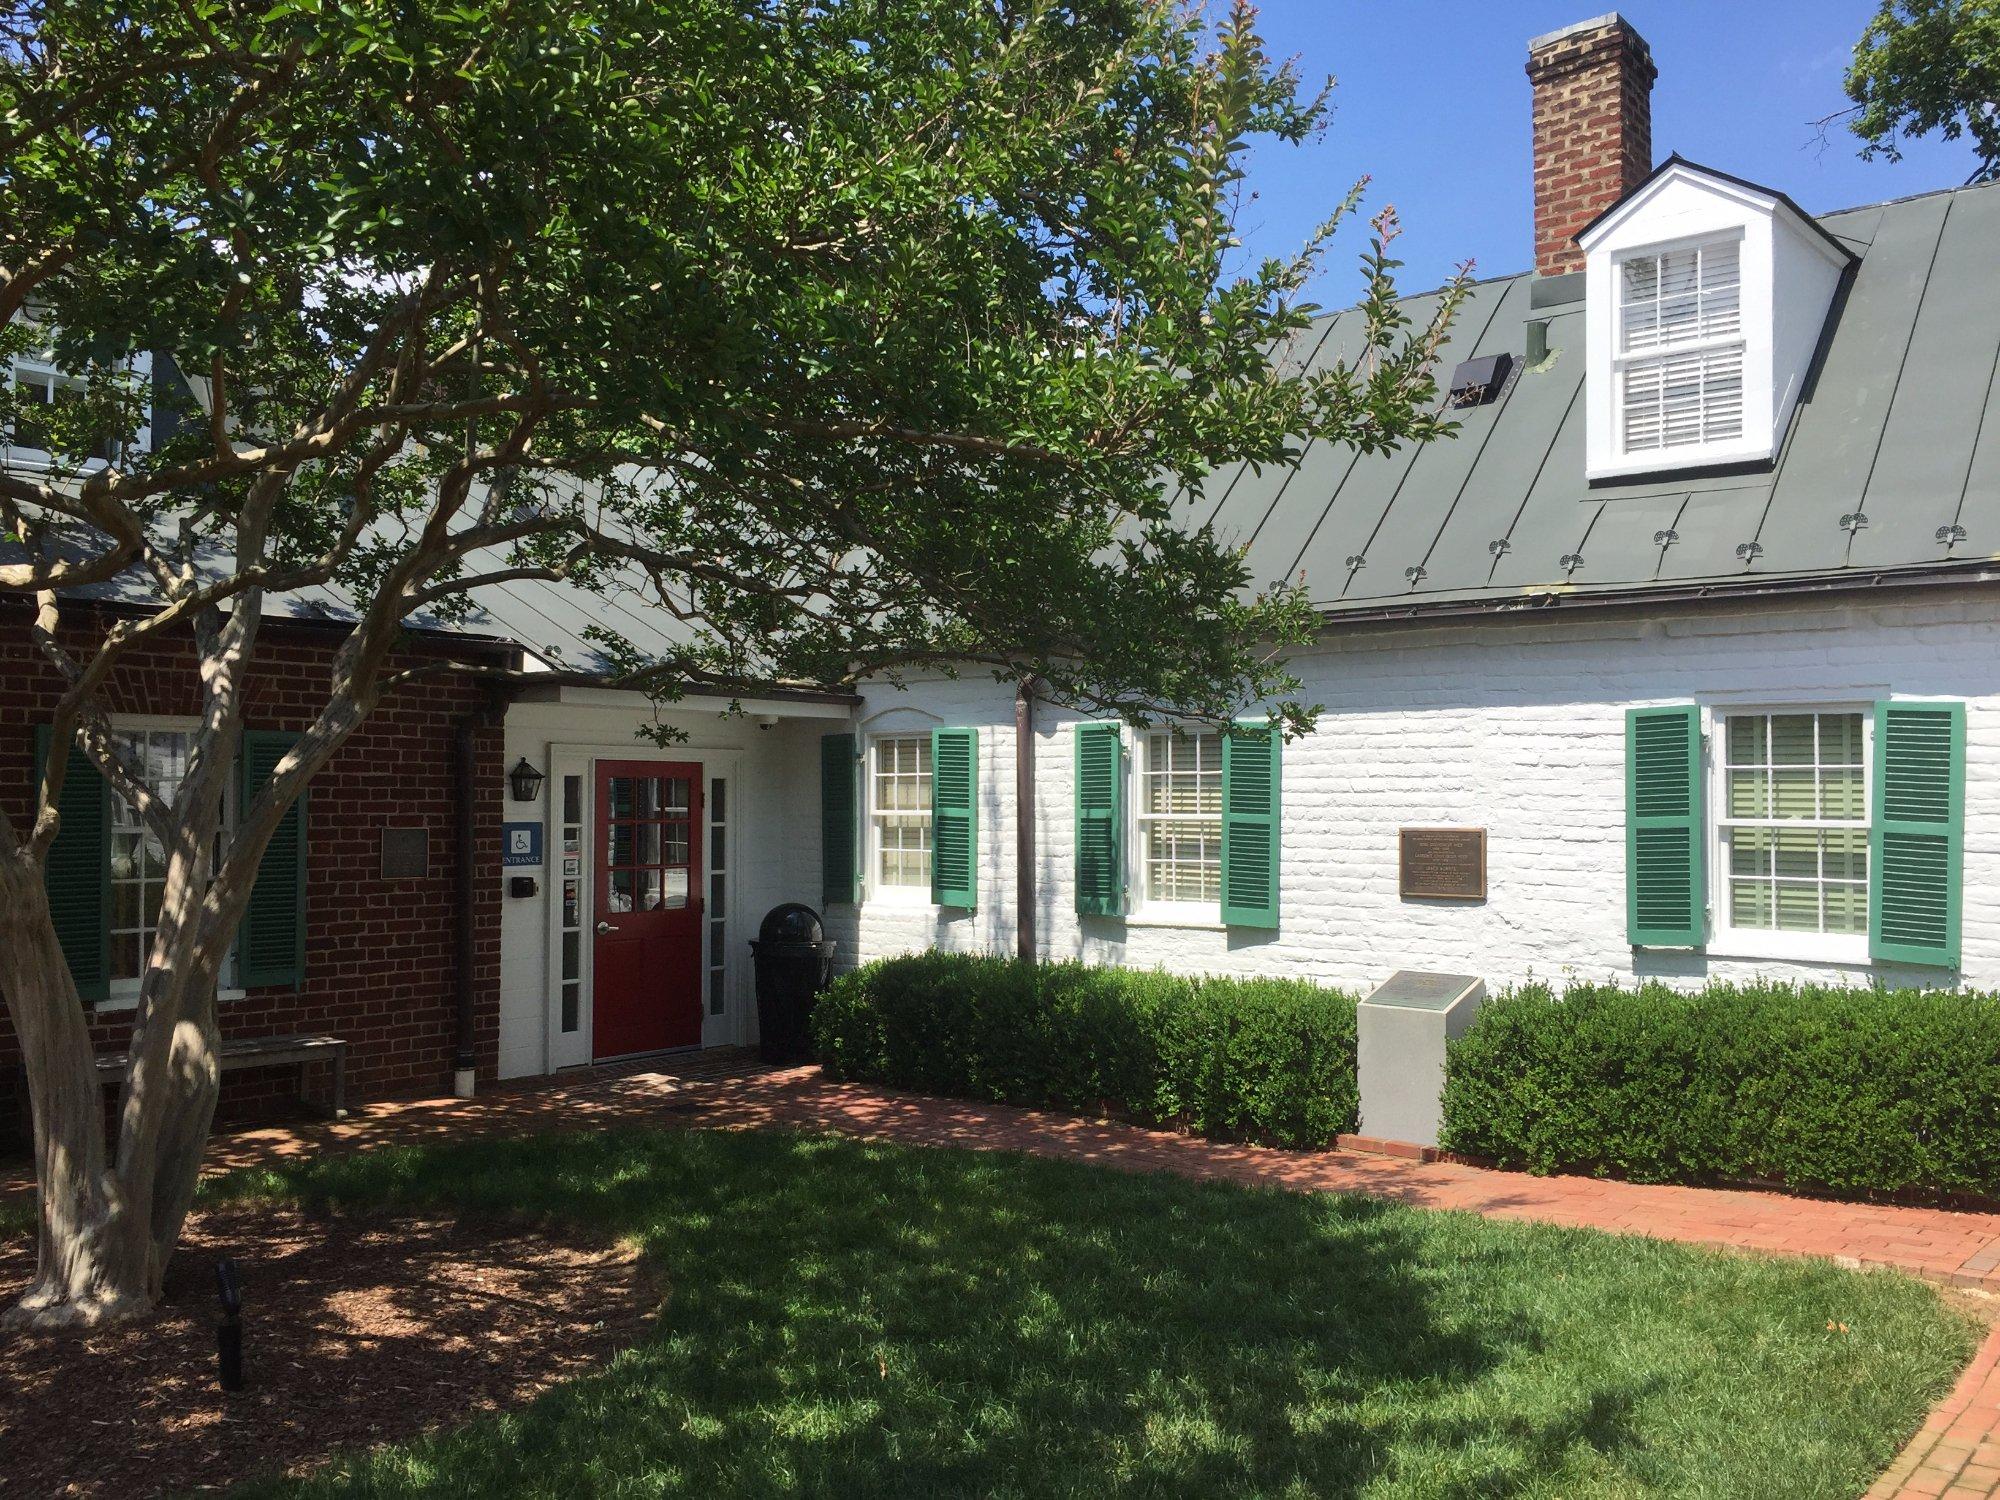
(1516, 725)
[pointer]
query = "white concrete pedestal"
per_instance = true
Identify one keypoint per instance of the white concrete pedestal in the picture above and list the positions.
(1403, 1025)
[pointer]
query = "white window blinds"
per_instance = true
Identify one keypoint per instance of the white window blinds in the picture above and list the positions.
(1680, 347)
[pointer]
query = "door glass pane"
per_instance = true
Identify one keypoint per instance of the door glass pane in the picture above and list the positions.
(622, 843)
(676, 888)
(621, 797)
(571, 955)
(677, 796)
(649, 797)
(649, 890)
(649, 843)
(677, 843)
(622, 886)
(572, 799)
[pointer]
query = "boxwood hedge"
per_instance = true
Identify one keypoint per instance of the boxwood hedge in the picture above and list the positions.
(1842, 1090)
(1260, 1059)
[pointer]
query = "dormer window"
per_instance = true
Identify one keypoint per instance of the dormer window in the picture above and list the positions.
(1680, 346)
(1704, 298)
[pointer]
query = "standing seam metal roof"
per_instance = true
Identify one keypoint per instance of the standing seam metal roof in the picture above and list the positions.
(1891, 461)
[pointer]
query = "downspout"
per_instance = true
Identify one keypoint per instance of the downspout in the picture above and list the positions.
(464, 1062)
(1024, 818)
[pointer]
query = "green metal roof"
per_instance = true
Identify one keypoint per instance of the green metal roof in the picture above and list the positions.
(1890, 467)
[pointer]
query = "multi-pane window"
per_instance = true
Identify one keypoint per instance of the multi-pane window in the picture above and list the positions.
(899, 809)
(138, 858)
(36, 383)
(1795, 821)
(1180, 816)
(1680, 347)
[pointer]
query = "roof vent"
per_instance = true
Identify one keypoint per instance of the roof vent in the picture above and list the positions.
(1477, 381)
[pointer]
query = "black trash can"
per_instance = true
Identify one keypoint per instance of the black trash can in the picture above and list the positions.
(794, 963)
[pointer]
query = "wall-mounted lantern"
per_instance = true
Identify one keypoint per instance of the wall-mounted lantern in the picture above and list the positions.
(526, 781)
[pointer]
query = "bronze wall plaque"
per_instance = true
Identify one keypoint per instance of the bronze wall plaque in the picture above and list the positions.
(1443, 864)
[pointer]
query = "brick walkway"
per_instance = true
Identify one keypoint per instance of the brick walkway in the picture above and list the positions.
(1957, 1455)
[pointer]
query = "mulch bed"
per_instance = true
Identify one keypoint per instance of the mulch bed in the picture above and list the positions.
(357, 1331)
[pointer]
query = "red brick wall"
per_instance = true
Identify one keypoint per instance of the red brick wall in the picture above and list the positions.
(1593, 116)
(380, 955)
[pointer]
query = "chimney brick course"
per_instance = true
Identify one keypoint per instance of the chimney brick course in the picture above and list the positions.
(1593, 121)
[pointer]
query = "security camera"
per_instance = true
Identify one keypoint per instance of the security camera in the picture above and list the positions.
(768, 721)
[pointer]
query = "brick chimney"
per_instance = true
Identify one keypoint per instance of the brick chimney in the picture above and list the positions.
(1593, 113)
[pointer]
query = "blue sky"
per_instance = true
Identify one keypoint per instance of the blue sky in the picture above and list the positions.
(1432, 102)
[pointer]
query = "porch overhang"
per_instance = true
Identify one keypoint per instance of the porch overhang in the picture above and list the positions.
(765, 701)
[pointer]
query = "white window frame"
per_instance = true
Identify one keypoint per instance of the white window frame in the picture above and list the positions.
(123, 994)
(1142, 908)
(1679, 455)
(1730, 941)
(875, 889)
(21, 456)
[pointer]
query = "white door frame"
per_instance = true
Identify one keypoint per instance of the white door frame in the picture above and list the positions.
(573, 1049)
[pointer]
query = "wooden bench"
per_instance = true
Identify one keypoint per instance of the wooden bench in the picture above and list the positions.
(265, 1052)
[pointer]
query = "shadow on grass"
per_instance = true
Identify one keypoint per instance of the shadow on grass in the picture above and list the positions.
(852, 1319)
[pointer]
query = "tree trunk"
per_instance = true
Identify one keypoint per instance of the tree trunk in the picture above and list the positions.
(106, 1230)
(88, 1268)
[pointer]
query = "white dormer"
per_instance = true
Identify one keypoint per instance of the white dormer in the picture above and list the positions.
(1704, 301)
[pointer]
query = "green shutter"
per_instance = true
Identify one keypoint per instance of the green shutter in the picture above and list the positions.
(1250, 828)
(1916, 839)
(271, 944)
(955, 817)
(1666, 874)
(78, 873)
(1100, 820)
(839, 822)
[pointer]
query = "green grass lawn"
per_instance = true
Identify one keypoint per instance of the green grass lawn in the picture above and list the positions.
(862, 1320)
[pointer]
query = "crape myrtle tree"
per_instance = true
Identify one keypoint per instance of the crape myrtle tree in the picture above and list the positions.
(857, 334)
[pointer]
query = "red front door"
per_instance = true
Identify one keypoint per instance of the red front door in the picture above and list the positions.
(646, 976)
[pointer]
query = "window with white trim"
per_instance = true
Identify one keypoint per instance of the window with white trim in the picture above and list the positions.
(899, 811)
(35, 382)
(138, 858)
(1680, 347)
(1179, 813)
(1793, 823)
